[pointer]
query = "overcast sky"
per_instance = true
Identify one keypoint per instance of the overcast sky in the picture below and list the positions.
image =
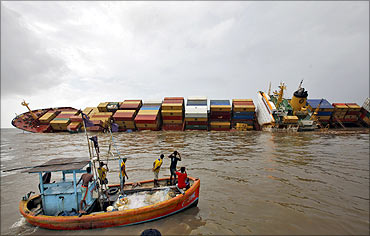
(82, 53)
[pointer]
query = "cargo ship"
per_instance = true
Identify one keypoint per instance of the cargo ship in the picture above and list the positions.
(270, 112)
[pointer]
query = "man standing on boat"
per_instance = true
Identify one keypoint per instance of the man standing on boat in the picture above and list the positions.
(102, 172)
(123, 173)
(86, 178)
(156, 167)
(175, 156)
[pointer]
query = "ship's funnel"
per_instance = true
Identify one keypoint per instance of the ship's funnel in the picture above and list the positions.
(299, 99)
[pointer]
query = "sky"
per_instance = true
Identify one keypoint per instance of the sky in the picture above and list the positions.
(79, 54)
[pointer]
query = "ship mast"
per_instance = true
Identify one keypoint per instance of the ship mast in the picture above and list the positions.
(280, 94)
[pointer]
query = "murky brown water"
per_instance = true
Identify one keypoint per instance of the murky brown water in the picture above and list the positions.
(251, 182)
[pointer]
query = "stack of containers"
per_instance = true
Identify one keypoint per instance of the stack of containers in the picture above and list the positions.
(173, 113)
(61, 121)
(76, 120)
(243, 111)
(325, 110)
(340, 110)
(125, 116)
(353, 113)
(148, 117)
(365, 112)
(101, 121)
(196, 113)
(220, 115)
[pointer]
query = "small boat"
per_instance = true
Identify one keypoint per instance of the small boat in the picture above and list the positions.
(57, 207)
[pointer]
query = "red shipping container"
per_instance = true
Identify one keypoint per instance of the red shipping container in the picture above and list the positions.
(124, 116)
(243, 103)
(173, 102)
(75, 118)
(172, 117)
(174, 98)
(129, 106)
(146, 119)
(64, 116)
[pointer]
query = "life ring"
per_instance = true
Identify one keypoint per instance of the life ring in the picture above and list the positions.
(112, 190)
(301, 100)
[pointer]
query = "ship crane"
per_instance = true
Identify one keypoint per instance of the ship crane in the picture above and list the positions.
(26, 105)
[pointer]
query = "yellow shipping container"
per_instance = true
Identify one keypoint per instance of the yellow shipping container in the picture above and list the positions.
(247, 108)
(47, 117)
(87, 110)
(242, 100)
(340, 107)
(102, 107)
(354, 107)
(217, 124)
(172, 106)
(148, 112)
(220, 108)
(69, 112)
(290, 119)
(59, 124)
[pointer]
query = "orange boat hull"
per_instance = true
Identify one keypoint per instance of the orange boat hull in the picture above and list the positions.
(115, 218)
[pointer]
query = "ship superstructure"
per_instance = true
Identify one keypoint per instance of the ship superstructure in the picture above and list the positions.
(276, 112)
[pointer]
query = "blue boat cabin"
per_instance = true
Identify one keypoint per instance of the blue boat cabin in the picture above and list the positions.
(63, 195)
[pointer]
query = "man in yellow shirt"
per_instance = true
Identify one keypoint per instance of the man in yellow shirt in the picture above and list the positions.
(156, 167)
(102, 172)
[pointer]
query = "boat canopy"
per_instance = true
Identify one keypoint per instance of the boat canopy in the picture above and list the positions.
(60, 164)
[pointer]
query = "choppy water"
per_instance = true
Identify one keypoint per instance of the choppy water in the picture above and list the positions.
(251, 182)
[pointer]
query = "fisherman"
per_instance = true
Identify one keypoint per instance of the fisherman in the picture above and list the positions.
(123, 173)
(182, 181)
(175, 156)
(102, 172)
(86, 178)
(156, 167)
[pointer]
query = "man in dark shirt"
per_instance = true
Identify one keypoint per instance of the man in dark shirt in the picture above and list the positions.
(175, 156)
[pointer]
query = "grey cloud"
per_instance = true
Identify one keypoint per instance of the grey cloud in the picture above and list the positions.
(26, 65)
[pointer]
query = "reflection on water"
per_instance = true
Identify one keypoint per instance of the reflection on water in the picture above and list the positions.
(251, 182)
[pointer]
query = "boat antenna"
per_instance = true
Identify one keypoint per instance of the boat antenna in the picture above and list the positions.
(269, 92)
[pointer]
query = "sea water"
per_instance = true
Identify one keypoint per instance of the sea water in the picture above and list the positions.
(250, 182)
